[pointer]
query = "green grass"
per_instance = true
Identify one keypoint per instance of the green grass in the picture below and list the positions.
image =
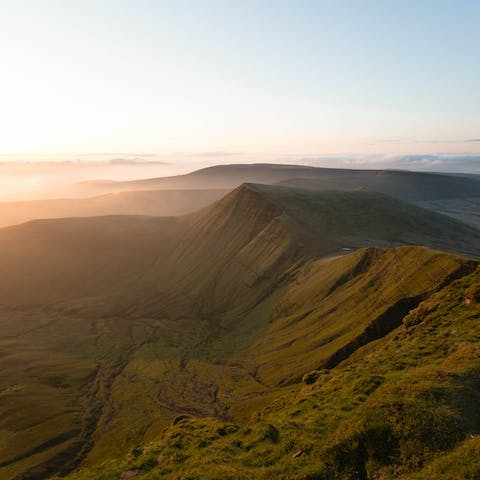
(218, 316)
(112, 383)
(404, 406)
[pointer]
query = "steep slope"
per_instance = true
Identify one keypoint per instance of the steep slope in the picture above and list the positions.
(145, 202)
(334, 308)
(326, 221)
(231, 248)
(403, 407)
(113, 326)
(234, 251)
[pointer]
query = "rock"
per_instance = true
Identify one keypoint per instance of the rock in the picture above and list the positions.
(313, 376)
(297, 454)
(129, 473)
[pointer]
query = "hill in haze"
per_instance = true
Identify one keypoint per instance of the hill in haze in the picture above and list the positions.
(143, 202)
(454, 195)
(404, 185)
(115, 326)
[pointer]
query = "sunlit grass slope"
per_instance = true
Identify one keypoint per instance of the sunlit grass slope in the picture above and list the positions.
(402, 407)
(102, 385)
(114, 326)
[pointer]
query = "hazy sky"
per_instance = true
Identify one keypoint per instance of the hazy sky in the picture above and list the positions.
(251, 77)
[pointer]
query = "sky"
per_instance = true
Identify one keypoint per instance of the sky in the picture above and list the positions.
(216, 80)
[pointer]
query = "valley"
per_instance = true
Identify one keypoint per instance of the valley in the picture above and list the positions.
(124, 332)
(239, 240)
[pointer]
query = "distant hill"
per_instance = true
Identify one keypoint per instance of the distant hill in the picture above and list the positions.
(444, 193)
(144, 202)
(404, 185)
(114, 327)
(466, 209)
(454, 195)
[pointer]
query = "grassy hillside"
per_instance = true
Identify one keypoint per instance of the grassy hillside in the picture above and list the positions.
(238, 247)
(114, 326)
(96, 387)
(403, 185)
(402, 407)
(465, 209)
(46, 261)
(326, 221)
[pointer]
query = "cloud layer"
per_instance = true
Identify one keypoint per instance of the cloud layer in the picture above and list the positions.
(439, 162)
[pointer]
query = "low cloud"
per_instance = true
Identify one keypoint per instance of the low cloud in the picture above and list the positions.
(134, 161)
(219, 153)
(441, 162)
(416, 141)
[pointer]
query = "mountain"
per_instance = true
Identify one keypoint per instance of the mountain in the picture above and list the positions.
(452, 194)
(403, 185)
(114, 327)
(218, 176)
(253, 233)
(145, 202)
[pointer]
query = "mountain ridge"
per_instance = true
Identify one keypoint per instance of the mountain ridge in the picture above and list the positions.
(114, 326)
(404, 185)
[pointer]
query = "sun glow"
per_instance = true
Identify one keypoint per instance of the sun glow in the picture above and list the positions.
(146, 76)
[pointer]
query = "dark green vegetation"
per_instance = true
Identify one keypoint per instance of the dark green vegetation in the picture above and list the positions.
(465, 209)
(115, 327)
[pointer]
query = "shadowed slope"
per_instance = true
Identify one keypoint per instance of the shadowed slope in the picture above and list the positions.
(404, 185)
(46, 261)
(465, 209)
(325, 221)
